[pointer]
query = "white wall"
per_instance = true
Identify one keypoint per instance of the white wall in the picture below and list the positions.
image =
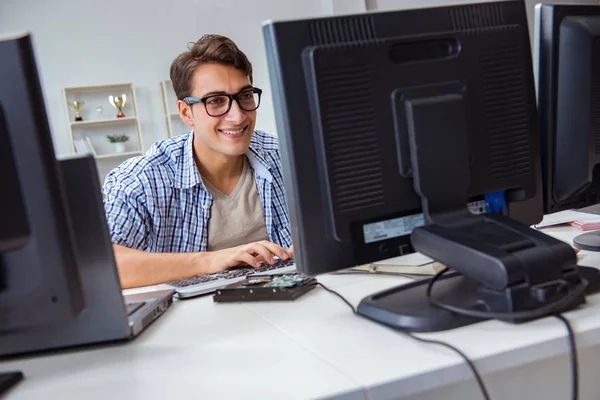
(96, 42)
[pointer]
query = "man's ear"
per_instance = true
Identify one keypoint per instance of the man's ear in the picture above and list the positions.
(185, 113)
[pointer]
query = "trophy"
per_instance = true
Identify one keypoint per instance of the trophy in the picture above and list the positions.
(77, 105)
(118, 102)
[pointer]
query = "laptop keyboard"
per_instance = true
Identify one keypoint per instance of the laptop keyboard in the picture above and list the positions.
(133, 307)
(230, 273)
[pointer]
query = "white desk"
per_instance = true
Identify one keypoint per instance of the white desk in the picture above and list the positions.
(316, 348)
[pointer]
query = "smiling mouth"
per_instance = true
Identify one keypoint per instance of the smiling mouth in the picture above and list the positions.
(234, 133)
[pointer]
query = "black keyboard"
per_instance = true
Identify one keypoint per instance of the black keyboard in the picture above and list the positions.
(133, 307)
(229, 274)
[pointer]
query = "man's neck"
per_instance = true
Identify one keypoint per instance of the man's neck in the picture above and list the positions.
(222, 171)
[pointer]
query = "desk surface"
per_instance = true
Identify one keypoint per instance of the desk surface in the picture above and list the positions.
(315, 347)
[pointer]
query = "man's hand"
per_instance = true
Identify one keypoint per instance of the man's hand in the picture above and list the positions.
(141, 268)
(252, 254)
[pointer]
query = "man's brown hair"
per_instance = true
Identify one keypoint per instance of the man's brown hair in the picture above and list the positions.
(208, 49)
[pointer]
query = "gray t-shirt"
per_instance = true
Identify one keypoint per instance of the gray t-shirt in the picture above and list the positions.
(237, 218)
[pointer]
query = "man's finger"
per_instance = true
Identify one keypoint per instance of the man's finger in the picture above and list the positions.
(276, 250)
(248, 259)
(263, 251)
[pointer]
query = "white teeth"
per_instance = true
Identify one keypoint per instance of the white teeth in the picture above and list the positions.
(234, 132)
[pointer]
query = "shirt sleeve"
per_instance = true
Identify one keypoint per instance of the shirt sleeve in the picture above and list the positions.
(126, 211)
(285, 237)
(279, 200)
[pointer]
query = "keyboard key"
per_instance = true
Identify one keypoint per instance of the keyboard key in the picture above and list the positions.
(229, 274)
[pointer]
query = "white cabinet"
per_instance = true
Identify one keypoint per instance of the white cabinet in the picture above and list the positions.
(99, 120)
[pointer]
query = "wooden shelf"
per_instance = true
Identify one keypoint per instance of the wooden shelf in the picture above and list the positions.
(101, 122)
(127, 154)
(98, 88)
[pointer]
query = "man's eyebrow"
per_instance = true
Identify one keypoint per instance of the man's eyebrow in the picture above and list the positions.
(217, 92)
(213, 93)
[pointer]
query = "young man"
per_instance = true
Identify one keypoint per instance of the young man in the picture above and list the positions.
(208, 200)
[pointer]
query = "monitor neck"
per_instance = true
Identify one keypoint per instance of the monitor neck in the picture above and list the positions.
(520, 268)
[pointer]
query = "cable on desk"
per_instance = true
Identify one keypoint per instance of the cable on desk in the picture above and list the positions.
(573, 357)
(484, 391)
(552, 308)
(340, 296)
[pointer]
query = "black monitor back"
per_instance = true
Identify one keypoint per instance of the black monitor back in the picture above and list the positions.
(568, 80)
(41, 280)
(14, 229)
(105, 318)
(340, 86)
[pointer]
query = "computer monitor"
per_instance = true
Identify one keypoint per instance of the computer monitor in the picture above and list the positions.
(568, 85)
(389, 123)
(14, 231)
(62, 291)
(41, 284)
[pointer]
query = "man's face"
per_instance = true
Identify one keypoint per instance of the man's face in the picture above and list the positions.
(228, 134)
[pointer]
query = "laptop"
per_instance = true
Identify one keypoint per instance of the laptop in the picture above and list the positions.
(209, 283)
(108, 315)
(84, 197)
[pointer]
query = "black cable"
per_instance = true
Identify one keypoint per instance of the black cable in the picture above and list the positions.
(338, 295)
(484, 391)
(548, 309)
(573, 356)
(552, 308)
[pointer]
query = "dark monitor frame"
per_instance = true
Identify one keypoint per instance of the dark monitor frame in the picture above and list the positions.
(548, 21)
(288, 51)
(42, 281)
(457, 83)
(14, 229)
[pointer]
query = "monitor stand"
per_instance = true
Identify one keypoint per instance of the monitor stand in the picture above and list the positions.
(8, 380)
(407, 308)
(588, 241)
(503, 267)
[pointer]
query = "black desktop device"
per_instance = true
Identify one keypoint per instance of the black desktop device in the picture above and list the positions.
(568, 84)
(35, 291)
(61, 290)
(14, 229)
(389, 123)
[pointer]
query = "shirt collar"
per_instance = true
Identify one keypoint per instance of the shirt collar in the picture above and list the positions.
(187, 175)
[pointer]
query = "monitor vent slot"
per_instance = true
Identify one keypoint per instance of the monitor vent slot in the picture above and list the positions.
(342, 30)
(596, 99)
(479, 16)
(505, 107)
(350, 138)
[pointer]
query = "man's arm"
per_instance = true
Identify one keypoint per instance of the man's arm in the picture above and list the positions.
(140, 268)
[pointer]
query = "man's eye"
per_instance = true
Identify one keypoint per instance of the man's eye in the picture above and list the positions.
(216, 101)
(246, 96)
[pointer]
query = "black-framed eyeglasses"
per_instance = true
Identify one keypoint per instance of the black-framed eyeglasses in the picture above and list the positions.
(220, 104)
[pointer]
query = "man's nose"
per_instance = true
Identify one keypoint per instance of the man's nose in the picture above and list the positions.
(235, 112)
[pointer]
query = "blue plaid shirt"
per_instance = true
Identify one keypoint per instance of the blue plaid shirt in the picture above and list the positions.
(157, 202)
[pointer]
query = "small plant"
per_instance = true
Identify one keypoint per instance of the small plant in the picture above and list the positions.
(117, 138)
